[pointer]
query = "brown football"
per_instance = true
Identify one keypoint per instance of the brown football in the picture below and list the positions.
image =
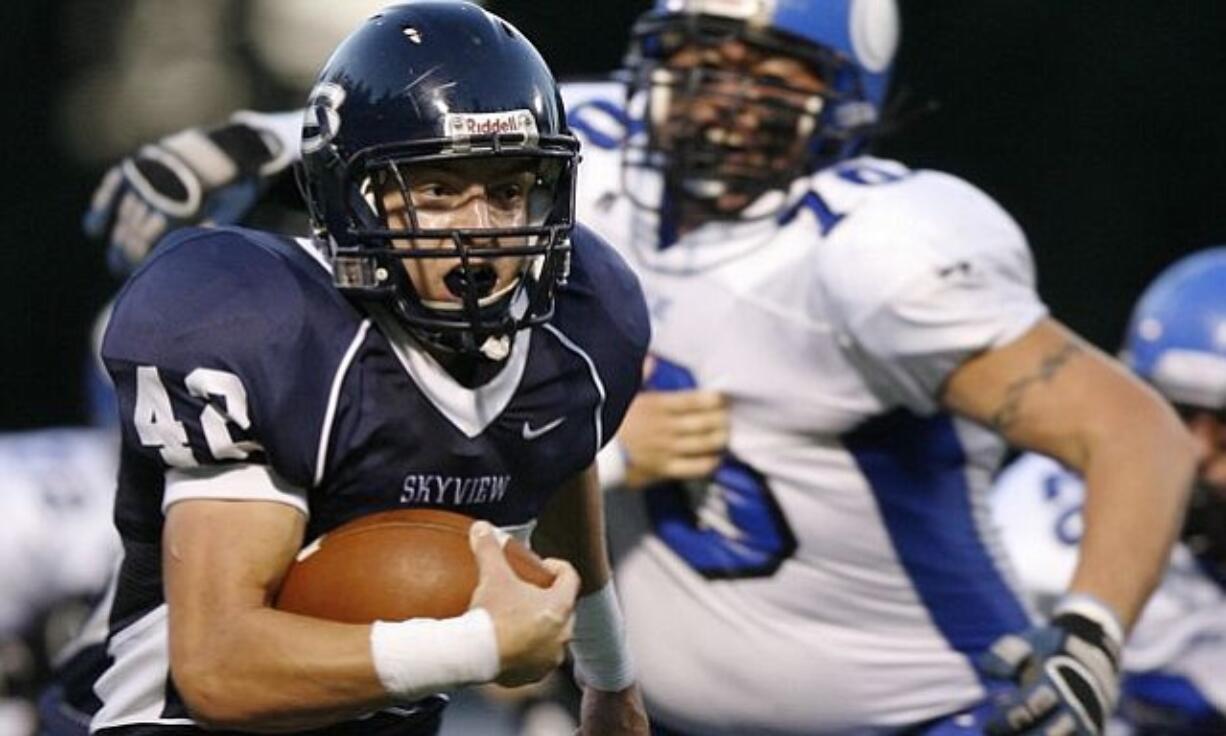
(394, 565)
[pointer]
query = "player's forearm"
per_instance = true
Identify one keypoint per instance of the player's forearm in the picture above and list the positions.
(1050, 392)
(267, 671)
(1138, 474)
(572, 527)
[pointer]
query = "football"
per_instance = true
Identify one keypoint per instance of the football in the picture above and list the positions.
(394, 565)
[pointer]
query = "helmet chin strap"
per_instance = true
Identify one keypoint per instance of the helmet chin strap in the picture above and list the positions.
(496, 347)
(493, 347)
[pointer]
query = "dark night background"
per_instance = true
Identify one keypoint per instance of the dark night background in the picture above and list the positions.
(1099, 124)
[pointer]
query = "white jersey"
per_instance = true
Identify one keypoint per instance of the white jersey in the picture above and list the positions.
(1181, 634)
(57, 489)
(841, 573)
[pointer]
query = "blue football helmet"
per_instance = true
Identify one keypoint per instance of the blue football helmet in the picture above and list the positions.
(1176, 339)
(424, 83)
(849, 44)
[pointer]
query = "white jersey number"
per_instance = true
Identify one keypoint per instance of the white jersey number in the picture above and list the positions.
(157, 426)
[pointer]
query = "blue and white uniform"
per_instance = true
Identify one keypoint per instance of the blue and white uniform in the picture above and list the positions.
(841, 573)
(243, 374)
(1175, 660)
(55, 498)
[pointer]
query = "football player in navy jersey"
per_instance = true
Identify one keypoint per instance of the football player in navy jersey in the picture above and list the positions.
(843, 346)
(449, 338)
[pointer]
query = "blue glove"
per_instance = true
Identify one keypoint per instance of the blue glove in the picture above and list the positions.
(193, 177)
(1065, 674)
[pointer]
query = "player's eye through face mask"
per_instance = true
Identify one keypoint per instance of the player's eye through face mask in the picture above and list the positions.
(731, 115)
(470, 246)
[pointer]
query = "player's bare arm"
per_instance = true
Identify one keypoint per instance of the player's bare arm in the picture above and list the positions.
(1050, 392)
(1051, 364)
(572, 527)
(239, 663)
(236, 661)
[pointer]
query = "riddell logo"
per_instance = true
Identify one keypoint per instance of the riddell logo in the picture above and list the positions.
(471, 125)
(490, 127)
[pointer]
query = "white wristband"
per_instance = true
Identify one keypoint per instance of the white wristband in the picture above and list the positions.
(602, 659)
(422, 656)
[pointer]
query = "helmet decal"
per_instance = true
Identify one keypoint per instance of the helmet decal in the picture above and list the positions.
(874, 33)
(322, 118)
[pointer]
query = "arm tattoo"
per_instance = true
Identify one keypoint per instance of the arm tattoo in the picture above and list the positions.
(1004, 417)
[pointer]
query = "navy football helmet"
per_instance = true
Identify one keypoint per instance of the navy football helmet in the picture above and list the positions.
(434, 83)
(849, 44)
(1177, 342)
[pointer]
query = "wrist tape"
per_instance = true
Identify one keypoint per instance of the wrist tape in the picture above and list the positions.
(422, 656)
(602, 659)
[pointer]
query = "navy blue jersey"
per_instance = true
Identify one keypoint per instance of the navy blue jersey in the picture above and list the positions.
(232, 354)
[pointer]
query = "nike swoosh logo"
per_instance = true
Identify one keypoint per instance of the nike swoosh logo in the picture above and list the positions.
(532, 434)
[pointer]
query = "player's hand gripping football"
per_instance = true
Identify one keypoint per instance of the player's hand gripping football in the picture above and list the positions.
(1066, 675)
(532, 625)
(673, 435)
(196, 176)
